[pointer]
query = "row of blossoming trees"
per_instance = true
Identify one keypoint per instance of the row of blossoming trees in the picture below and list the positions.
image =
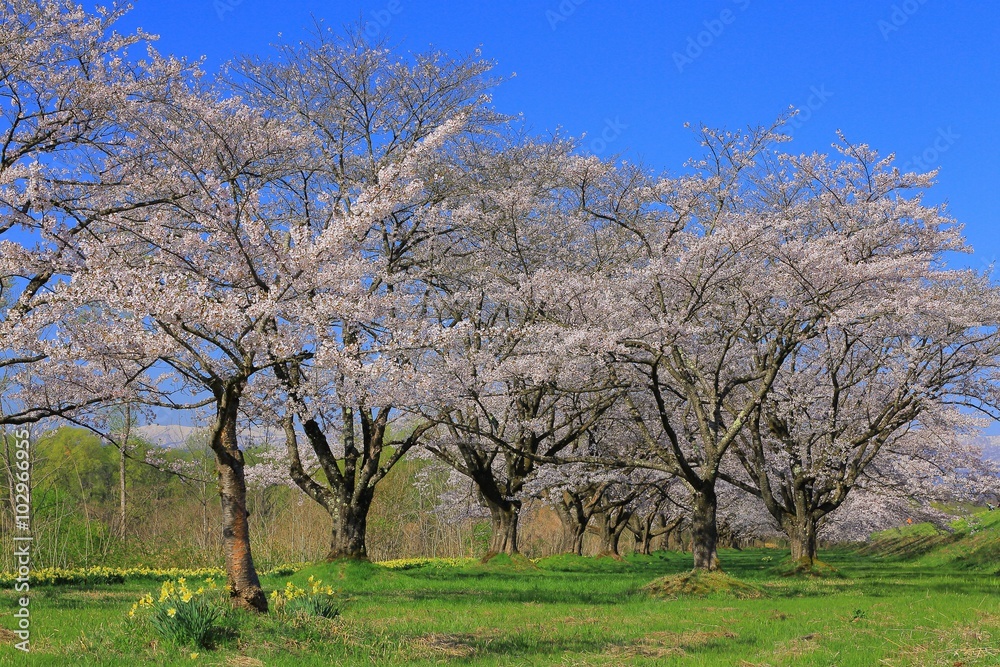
(353, 248)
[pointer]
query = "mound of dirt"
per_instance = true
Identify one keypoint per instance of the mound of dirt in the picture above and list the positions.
(699, 583)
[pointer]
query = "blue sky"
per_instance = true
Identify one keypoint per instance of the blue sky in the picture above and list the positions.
(916, 77)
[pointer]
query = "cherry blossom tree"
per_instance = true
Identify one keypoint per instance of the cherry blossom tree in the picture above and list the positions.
(510, 393)
(864, 408)
(659, 511)
(377, 118)
(574, 491)
(726, 273)
(700, 318)
(874, 383)
(197, 284)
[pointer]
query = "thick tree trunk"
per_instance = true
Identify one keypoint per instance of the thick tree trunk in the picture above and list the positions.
(610, 540)
(244, 586)
(705, 530)
(802, 536)
(350, 528)
(644, 533)
(573, 528)
(504, 519)
(611, 525)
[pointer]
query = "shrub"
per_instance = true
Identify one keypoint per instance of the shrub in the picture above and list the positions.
(183, 616)
(319, 600)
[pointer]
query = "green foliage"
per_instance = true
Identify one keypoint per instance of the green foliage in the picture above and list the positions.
(804, 567)
(192, 623)
(319, 604)
(182, 616)
(515, 563)
(573, 563)
(315, 600)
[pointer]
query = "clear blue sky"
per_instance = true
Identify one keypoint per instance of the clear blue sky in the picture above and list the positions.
(920, 78)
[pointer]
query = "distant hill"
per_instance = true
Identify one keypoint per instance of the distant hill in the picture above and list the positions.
(972, 542)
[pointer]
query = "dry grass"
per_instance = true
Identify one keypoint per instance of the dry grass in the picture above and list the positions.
(243, 661)
(659, 645)
(439, 645)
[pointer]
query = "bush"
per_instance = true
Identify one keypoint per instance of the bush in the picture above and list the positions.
(319, 604)
(183, 616)
(319, 600)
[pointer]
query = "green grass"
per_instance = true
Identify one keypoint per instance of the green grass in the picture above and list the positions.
(925, 606)
(971, 543)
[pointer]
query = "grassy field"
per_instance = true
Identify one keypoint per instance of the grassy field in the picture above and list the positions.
(916, 597)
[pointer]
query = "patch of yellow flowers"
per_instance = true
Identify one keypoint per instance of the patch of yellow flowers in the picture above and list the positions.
(171, 590)
(279, 598)
(100, 574)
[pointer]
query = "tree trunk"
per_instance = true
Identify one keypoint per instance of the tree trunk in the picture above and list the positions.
(610, 539)
(350, 527)
(648, 526)
(122, 458)
(612, 524)
(204, 514)
(705, 530)
(244, 586)
(802, 536)
(504, 538)
(673, 538)
(574, 526)
(122, 515)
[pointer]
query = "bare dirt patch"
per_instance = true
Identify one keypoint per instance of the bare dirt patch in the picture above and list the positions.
(445, 646)
(243, 661)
